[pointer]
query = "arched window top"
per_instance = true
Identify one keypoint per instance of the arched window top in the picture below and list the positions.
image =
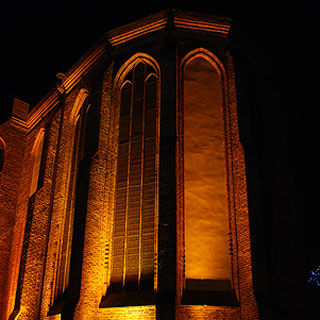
(36, 154)
(2, 144)
(207, 55)
(139, 67)
(2, 152)
(126, 85)
(84, 108)
(80, 101)
(151, 78)
(140, 62)
(38, 142)
(142, 70)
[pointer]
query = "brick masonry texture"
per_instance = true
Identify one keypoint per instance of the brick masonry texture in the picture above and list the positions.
(36, 244)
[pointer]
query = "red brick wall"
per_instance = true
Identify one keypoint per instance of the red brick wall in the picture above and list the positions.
(38, 293)
(11, 219)
(208, 313)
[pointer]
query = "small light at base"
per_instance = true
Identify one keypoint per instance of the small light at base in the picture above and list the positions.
(315, 277)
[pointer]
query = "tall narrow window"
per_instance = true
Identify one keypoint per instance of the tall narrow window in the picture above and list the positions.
(78, 147)
(44, 152)
(37, 157)
(1, 154)
(207, 262)
(85, 145)
(136, 183)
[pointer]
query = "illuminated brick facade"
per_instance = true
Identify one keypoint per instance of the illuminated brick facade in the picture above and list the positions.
(94, 192)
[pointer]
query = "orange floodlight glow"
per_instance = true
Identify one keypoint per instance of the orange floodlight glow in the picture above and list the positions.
(206, 230)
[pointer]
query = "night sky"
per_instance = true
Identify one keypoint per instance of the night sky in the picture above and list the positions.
(40, 40)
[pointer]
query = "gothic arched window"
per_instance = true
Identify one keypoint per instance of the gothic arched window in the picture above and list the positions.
(36, 152)
(2, 151)
(85, 123)
(207, 259)
(136, 183)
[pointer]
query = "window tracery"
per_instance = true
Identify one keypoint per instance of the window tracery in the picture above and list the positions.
(136, 183)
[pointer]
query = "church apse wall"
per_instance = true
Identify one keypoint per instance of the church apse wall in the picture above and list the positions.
(129, 199)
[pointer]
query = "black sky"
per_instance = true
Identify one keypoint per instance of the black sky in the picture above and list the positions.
(40, 40)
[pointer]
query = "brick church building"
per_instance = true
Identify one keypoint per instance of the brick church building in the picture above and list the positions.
(133, 189)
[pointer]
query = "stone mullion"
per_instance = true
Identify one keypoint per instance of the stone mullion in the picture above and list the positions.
(122, 163)
(135, 161)
(141, 181)
(127, 194)
(149, 187)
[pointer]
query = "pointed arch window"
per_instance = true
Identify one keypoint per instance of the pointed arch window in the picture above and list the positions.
(38, 158)
(87, 131)
(85, 144)
(206, 230)
(133, 251)
(79, 148)
(2, 152)
(37, 152)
